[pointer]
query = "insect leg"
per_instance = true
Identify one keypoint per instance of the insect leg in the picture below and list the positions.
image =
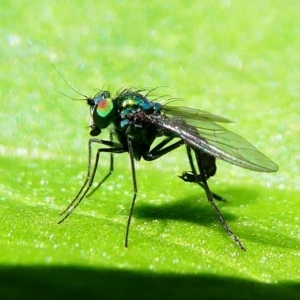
(90, 175)
(211, 201)
(111, 167)
(159, 149)
(192, 176)
(130, 151)
(155, 153)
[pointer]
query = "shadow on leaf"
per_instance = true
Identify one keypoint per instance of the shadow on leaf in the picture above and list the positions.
(58, 282)
(182, 210)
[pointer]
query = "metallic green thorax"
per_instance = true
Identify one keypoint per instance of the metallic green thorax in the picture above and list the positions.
(130, 103)
(130, 121)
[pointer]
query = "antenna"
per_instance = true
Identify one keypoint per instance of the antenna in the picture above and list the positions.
(86, 97)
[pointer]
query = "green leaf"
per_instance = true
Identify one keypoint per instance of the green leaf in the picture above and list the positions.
(235, 59)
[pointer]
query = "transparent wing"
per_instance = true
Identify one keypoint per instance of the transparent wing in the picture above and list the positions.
(193, 113)
(197, 128)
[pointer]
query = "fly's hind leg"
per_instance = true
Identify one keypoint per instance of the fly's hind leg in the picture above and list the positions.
(209, 168)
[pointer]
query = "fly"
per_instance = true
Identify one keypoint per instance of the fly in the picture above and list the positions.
(138, 121)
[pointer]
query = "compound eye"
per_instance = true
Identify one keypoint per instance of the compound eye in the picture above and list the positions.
(104, 107)
(103, 111)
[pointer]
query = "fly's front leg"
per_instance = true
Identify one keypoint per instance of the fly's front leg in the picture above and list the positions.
(111, 165)
(90, 175)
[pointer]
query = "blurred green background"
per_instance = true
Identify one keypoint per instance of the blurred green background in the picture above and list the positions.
(237, 59)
